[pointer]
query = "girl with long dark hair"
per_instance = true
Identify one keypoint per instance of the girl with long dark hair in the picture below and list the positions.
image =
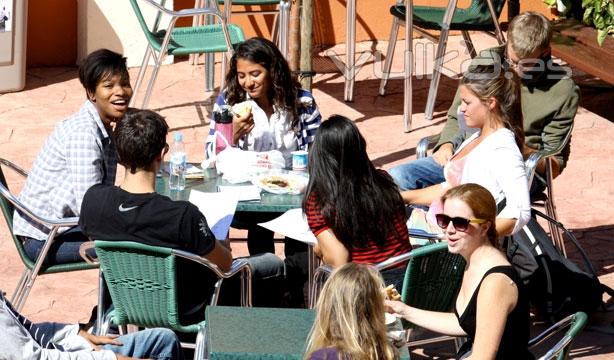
(278, 115)
(354, 209)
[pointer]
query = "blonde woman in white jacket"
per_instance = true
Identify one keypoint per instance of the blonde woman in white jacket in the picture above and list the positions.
(491, 157)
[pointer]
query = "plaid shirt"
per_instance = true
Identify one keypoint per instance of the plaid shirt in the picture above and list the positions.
(78, 154)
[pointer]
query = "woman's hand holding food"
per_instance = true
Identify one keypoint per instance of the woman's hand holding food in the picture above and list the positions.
(397, 308)
(242, 122)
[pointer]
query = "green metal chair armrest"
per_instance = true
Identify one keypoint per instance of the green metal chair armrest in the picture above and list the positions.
(65, 222)
(324, 271)
(14, 167)
(423, 145)
(560, 350)
(33, 267)
(536, 157)
(237, 266)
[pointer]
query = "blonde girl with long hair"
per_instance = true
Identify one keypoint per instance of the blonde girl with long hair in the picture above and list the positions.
(349, 322)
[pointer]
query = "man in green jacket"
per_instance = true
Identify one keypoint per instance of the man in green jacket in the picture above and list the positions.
(549, 100)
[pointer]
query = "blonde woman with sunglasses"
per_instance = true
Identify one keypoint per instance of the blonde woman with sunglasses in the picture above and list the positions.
(491, 308)
(349, 322)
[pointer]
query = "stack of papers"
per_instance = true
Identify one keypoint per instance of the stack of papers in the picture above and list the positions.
(218, 208)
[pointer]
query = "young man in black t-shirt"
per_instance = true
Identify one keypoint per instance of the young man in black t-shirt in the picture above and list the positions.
(135, 212)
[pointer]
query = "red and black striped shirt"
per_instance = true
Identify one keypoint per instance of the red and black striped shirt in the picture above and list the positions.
(396, 243)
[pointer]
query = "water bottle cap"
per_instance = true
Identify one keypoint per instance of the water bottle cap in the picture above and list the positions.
(178, 136)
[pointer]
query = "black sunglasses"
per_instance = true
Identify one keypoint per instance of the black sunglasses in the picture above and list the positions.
(459, 223)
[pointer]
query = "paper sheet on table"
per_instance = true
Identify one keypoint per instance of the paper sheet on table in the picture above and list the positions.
(243, 192)
(218, 208)
(292, 224)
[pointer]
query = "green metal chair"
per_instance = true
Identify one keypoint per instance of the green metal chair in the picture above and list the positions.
(33, 267)
(432, 280)
(143, 284)
(321, 274)
(479, 16)
(560, 350)
(283, 21)
(546, 199)
(183, 40)
(282, 29)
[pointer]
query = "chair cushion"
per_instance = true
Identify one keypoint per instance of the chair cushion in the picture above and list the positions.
(429, 17)
(199, 39)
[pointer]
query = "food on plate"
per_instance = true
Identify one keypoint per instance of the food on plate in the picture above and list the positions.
(275, 181)
(391, 293)
(241, 109)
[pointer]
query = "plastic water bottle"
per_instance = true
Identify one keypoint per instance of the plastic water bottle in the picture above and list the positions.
(176, 179)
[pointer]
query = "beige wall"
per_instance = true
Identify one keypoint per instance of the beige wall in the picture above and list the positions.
(112, 25)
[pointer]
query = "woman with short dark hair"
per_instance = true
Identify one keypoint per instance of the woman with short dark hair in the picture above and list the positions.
(78, 154)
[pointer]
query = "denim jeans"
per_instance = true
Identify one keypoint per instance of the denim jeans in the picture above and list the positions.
(65, 248)
(148, 344)
(417, 174)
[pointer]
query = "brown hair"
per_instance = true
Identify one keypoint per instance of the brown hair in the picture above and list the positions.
(490, 81)
(481, 203)
(529, 32)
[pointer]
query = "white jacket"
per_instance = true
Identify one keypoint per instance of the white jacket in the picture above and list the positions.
(497, 164)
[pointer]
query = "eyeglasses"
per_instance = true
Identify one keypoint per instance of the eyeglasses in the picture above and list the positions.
(459, 223)
(527, 63)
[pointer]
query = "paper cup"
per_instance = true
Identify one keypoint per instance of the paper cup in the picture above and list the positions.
(299, 160)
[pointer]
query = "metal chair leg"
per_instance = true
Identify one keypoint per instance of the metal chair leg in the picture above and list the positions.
(224, 65)
(196, 21)
(469, 44)
(350, 49)
(284, 26)
(495, 20)
(408, 66)
(246, 287)
(439, 57)
(19, 289)
(140, 76)
(200, 345)
(152, 80)
(210, 58)
(100, 309)
(392, 42)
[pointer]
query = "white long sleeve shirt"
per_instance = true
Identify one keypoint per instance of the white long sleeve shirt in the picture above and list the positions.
(497, 164)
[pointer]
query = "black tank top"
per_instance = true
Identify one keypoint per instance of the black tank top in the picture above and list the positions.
(515, 339)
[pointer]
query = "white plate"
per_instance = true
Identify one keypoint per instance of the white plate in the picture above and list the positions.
(280, 183)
